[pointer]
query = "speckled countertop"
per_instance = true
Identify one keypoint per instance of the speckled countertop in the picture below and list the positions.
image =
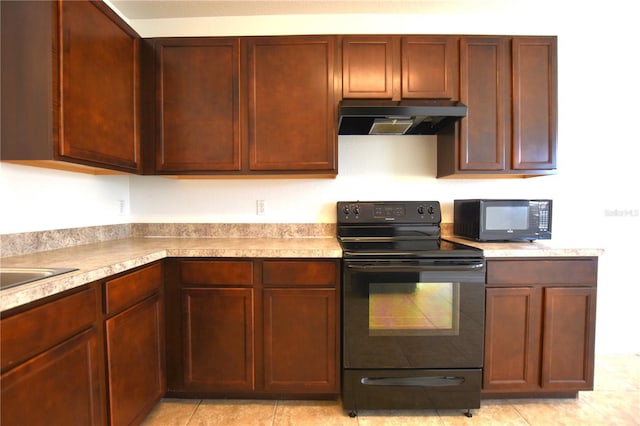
(103, 259)
(540, 248)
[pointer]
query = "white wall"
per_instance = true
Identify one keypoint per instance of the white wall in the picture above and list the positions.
(596, 199)
(389, 168)
(34, 199)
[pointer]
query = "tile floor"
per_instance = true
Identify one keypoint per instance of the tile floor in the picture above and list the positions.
(615, 400)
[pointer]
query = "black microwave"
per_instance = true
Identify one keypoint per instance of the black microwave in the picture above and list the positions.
(502, 220)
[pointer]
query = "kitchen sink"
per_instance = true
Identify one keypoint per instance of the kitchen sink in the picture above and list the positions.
(11, 277)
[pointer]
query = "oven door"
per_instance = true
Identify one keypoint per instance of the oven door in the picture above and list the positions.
(413, 314)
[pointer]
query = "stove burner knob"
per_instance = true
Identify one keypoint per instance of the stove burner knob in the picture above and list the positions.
(430, 210)
(421, 210)
(356, 210)
(345, 210)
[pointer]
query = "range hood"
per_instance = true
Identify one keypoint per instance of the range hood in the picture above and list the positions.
(373, 117)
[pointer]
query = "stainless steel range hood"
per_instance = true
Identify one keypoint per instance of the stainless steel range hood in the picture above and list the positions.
(424, 117)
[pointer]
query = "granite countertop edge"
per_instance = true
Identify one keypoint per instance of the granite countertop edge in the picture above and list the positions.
(104, 259)
(540, 248)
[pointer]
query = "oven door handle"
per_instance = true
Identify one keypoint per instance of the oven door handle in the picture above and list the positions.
(399, 267)
(436, 381)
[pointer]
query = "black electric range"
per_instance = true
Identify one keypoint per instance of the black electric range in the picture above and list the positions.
(412, 309)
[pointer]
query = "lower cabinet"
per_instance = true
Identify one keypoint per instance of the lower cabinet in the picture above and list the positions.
(245, 327)
(134, 335)
(540, 326)
(262, 328)
(300, 327)
(89, 356)
(218, 339)
(52, 362)
(235, 327)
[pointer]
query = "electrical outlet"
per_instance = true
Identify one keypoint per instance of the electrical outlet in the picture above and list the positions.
(261, 207)
(121, 206)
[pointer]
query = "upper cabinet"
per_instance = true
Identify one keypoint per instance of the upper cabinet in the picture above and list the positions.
(198, 111)
(535, 103)
(69, 87)
(291, 104)
(75, 76)
(399, 67)
(509, 85)
(249, 106)
(252, 106)
(370, 67)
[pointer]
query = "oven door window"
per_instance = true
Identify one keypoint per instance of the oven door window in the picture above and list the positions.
(411, 320)
(414, 309)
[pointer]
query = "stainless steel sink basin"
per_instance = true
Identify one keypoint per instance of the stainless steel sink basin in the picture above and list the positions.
(11, 277)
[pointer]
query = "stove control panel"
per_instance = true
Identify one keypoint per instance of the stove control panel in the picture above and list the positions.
(389, 211)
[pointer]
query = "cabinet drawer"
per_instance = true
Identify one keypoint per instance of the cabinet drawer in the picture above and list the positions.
(28, 333)
(128, 289)
(293, 272)
(579, 271)
(217, 272)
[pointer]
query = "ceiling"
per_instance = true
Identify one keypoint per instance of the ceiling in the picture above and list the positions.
(166, 9)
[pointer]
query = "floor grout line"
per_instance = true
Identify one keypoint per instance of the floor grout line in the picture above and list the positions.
(275, 410)
(194, 412)
(520, 414)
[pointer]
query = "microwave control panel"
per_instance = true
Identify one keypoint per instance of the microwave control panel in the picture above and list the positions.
(543, 211)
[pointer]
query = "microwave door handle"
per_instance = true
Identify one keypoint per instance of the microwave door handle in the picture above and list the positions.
(413, 268)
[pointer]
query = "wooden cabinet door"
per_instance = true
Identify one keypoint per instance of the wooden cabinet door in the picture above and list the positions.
(370, 67)
(300, 340)
(135, 343)
(301, 326)
(218, 339)
(198, 105)
(512, 339)
(253, 327)
(52, 362)
(511, 95)
(429, 67)
(98, 87)
(135, 361)
(540, 326)
(535, 103)
(484, 132)
(70, 95)
(392, 67)
(291, 103)
(27, 79)
(569, 341)
(61, 386)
